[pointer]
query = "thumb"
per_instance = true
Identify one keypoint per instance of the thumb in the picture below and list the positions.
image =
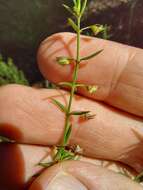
(76, 175)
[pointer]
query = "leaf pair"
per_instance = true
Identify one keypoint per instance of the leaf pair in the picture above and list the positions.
(90, 88)
(63, 154)
(78, 7)
(60, 105)
(66, 60)
(64, 109)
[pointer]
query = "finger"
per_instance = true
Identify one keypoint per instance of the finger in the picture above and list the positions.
(111, 165)
(81, 176)
(31, 117)
(118, 70)
(19, 165)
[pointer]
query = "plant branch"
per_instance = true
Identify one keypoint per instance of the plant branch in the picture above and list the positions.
(75, 74)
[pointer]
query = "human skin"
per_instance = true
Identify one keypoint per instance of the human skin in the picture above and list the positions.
(118, 70)
(77, 175)
(20, 165)
(112, 134)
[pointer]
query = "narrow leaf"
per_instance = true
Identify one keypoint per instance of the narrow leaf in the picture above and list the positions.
(89, 116)
(91, 56)
(80, 85)
(61, 106)
(78, 6)
(6, 140)
(79, 112)
(69, 84)
(67, 155)
(69, 9)
(86, 28)
(75, 3)
(83, 7)
(72, 24)
(46, 165)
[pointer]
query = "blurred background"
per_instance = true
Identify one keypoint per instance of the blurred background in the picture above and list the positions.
(25, 23)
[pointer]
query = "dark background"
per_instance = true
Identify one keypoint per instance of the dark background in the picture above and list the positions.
(25, 23)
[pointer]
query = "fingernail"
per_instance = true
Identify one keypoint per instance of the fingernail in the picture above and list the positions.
(65, 181)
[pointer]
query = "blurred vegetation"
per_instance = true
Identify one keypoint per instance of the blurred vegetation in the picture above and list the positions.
(10, 74)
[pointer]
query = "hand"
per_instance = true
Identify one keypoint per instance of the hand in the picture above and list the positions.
(28, 116)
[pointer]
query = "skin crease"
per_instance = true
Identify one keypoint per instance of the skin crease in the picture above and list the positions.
(118, 70)
(122, 132)
(28, 157)
(119, 139)
(82, 176)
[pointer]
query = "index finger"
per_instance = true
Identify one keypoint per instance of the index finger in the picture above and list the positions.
(118, 70)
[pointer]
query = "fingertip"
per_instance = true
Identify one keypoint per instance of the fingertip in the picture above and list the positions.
(76, 175)
(52, 47)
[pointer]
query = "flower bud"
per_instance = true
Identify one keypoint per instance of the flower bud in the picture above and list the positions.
(96, 29)
(92, 89)
(63, 60)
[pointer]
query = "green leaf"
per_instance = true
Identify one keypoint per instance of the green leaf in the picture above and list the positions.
(75, 3)
(92, 55)
(78, 6)
(63, 155)
(67, 134)
(9, 73)
(85, 114)
(80, 85)
(73, 25)
(79, 112)
(6, 140)
(89, 116)
(63, 60)
(61, 106)
(46, 165)
(68, 84)
(83, 7)
(69, 9)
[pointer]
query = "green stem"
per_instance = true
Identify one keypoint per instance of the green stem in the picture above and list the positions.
(74, 79)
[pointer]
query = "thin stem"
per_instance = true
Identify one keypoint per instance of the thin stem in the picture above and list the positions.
(86, 28)
(74, 79)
